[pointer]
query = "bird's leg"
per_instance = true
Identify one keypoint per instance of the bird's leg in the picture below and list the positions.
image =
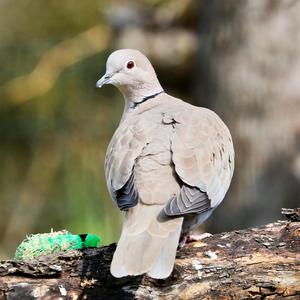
(182, 240)
(190, 237)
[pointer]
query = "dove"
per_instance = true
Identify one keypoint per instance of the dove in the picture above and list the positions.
(168, 165)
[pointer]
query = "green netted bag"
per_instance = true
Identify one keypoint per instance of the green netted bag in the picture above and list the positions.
(36, 245)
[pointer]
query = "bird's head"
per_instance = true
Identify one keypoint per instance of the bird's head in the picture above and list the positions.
(132, 73)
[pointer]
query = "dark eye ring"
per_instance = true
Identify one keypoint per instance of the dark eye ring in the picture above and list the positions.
(130, 64)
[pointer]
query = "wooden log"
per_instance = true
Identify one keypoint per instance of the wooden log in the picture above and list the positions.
(256, 263)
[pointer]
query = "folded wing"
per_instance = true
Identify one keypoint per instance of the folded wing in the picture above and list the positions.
(203, 156)
(123, 150)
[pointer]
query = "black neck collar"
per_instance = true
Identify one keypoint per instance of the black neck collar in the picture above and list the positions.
(135, 104)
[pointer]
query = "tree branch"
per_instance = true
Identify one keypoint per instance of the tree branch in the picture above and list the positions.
(256, 263)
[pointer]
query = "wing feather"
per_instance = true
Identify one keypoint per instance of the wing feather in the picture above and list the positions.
(127, 196)
(125, 147)
(203, 157)
(190, 200)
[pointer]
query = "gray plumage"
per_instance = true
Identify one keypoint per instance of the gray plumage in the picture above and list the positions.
(127, 196)
(190, 200)
(168, 166)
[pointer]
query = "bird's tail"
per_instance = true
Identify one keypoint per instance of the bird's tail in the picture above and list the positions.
(148, 243)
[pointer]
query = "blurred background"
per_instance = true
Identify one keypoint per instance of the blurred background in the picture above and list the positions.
(239, 58)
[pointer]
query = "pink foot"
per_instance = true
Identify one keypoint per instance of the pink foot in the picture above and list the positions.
(190, 237)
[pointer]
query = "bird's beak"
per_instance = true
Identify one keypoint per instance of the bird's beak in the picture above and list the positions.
(103, 80)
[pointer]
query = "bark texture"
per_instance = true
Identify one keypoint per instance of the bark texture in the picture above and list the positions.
(256, 263)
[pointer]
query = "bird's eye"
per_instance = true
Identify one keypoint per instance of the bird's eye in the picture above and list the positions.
(130, 64)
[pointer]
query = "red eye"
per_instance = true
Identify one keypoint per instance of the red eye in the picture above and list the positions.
(130, 64)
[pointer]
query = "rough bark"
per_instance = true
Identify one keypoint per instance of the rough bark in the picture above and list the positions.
(256, 263)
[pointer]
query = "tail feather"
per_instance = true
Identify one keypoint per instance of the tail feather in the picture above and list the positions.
(151, 250)
(165, 262)
(117, 267)
(142, 253)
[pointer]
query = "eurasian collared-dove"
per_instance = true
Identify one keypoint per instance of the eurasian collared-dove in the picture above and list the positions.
(168, 166)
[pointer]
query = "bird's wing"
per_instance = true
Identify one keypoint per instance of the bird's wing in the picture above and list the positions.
(190, 200)
(126, 145)
(203, 156)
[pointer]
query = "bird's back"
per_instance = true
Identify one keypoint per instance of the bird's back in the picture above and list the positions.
(158, 148)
